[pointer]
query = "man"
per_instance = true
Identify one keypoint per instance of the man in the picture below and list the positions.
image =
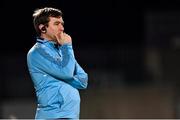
(56, 74)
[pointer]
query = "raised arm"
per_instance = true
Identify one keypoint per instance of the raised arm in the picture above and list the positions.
(66, 69)
(45, 62)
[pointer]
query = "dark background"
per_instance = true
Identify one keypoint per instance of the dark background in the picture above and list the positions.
(130, 50)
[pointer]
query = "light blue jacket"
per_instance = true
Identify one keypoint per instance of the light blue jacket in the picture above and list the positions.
(57, 77)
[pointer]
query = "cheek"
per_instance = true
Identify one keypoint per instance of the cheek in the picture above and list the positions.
(51, 30)
(54, 30)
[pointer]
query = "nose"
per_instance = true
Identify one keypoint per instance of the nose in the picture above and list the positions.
(61, 27)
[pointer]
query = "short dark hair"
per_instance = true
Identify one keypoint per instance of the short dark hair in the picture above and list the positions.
(41, 16)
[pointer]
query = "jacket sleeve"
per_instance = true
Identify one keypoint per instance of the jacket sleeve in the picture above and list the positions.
(62, 68)
(57, 67)
(80, 78)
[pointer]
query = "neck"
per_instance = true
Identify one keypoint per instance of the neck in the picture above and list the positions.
(44, 36)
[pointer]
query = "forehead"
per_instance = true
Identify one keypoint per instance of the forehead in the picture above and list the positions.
(54, 19)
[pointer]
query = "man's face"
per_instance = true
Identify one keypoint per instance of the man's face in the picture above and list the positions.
(55, 26)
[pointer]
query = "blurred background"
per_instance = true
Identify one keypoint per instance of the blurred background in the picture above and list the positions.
(131, 51)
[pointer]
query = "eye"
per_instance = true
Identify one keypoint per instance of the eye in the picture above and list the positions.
(56, 23)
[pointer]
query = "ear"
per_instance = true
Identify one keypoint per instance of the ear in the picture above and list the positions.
(42, 28)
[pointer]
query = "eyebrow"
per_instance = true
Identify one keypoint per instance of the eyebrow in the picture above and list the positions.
(59, 22)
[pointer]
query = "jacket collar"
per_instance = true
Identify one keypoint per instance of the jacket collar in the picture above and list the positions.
(45, 41)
